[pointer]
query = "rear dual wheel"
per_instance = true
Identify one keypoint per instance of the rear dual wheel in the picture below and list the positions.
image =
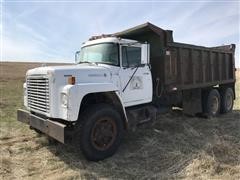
(227, 99)
(214, 102)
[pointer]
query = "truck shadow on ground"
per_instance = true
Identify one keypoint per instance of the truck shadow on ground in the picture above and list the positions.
(165, 148)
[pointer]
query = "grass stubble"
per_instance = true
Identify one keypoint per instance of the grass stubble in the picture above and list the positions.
(175, 146)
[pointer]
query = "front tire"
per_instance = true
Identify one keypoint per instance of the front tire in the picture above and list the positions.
(99, 132)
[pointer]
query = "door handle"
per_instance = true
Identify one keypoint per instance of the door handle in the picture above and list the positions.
(146, 73)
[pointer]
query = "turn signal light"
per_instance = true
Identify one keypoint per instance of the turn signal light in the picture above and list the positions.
(71, 80)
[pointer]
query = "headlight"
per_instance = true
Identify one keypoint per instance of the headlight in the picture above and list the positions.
(64, 99)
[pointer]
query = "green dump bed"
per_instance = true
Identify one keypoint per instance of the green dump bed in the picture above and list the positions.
(188, 66)
(179, 66)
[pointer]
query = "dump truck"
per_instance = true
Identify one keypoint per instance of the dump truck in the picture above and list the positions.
(124, 79)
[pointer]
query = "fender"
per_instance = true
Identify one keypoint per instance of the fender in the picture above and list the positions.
(75, 94)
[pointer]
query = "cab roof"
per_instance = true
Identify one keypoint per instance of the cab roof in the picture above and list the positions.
(140, 30)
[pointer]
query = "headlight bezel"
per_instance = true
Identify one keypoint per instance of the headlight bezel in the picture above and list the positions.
(64, 99)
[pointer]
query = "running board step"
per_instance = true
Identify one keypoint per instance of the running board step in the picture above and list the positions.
(140, 115)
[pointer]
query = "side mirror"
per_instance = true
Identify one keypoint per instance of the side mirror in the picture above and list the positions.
(145, 53)
(77, 56)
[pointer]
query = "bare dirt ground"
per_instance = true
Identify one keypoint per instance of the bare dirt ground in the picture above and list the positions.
(176, 146)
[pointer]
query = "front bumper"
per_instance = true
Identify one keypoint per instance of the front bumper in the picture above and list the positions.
(53, 129)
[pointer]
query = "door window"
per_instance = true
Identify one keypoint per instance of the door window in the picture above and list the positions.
(131, 56)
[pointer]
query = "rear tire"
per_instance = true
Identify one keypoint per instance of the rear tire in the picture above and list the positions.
(227, 100)
(211, 103)
(99, 132)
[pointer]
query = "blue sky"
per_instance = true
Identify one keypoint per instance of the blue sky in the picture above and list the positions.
(53, 31)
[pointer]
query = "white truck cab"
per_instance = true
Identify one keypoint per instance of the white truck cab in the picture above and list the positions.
(111, 72)
(103, 65)
(127, 62)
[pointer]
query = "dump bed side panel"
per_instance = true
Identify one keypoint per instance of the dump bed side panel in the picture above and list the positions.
(189, 66)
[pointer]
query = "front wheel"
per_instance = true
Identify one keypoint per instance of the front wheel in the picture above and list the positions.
(100, 132)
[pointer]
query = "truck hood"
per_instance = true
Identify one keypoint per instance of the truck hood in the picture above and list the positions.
(83, 73)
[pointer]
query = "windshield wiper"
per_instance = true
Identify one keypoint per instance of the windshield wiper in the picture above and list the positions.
(81, 62)
(104, 63)
(96, 63)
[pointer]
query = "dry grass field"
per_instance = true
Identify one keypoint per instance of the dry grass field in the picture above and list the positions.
(175, 146)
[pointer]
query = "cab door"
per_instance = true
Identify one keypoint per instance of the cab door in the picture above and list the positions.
(135, 78)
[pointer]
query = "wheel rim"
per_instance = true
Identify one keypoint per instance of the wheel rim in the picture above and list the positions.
(229, 101)
(103, 133)
(214, 105)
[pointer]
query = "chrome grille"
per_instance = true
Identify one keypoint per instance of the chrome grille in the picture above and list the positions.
(38, 93)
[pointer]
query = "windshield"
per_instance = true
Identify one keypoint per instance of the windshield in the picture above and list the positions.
(105, 53)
